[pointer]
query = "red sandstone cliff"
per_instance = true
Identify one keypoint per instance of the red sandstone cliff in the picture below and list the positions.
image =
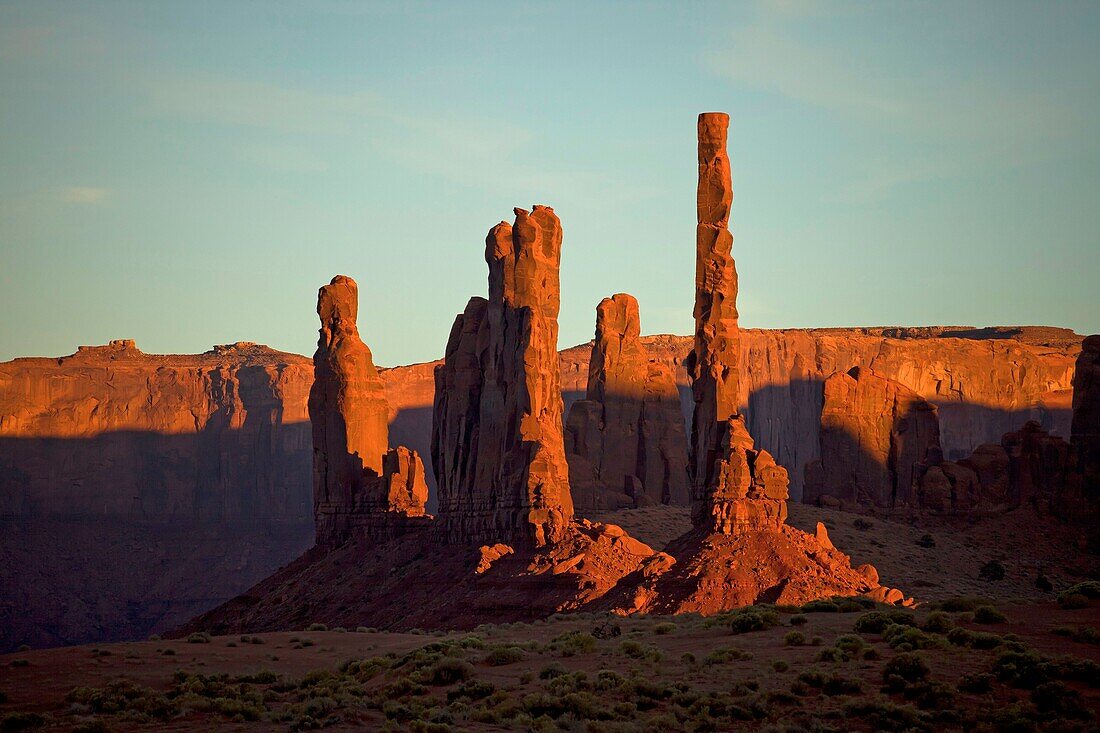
(625, 440)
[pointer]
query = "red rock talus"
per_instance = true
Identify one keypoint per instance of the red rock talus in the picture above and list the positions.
(497, 420)
(625, 441)
(359, 485)
(732, 486)
(875, 433)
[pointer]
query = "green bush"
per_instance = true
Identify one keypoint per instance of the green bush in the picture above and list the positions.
(753, 620)
(988, 615)
(21, 721)
(198, 637)
(794, 638)
(908, 666)
(820, 606)
(317, 627)
(938, 622)
(664, 628)
(799, 620)
(875, 622)
(501, 655)
(552, 670)
(838, 685)
(448, 671)
(1073, 601)
(979, 683)
(850, 643)
(574, 643)
(1055, 699)
(780, 666)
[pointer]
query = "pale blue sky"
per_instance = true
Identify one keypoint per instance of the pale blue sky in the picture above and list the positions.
(189, 173)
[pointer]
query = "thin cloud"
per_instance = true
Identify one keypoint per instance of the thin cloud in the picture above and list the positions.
(86, 195)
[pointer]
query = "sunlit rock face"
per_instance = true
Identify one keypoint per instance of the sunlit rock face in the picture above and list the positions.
(360, 486)
(625, 441)
(733, 486)
(875, 433)
(497, 447)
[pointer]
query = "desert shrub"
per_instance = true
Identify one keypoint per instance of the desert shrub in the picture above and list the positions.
(871, 654)
(931, 695)
(992, 571)
(820, 606)
(816, 641)
(875, 622)
(794, 638)
(726, 654)
(364, 629)
(978, 683)
(799, 620)
(1054, 698)
(606, 630)
(988, 615)
(552, 670)
(908, 638)
(780, 666)
(1090, 589)
(927, 541)
(1021, 669)
(92, 726)
(573, 643)
(20, 663)
(849, 605)
(938, 622)
(199, 637)
(831, 654)
(862, 524)
(883, 715)
(962, 603)
(907, 666)
(1083, 634)
(21, 721)
(664, 628)
(471, 690)
(1073, 601)
(839, 685)
(316, 627)
(812, 678)
(753, 619)
(448, 671)
(153, 637)
(849, 643)
(504, 654)
(635, 649)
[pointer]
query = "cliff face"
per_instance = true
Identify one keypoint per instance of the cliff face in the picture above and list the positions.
(157, 485)
(625, 440)
(110, 431)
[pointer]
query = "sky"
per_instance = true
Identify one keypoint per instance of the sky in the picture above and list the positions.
(188, 174)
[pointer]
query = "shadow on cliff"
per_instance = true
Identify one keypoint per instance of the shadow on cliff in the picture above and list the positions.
(784, 419)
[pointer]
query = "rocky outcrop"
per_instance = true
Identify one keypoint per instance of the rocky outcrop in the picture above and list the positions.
(360, 486)
(1085, 430)
(625, 440)
(733, 486)
(875, 433)
(740, 550)
(497, 447)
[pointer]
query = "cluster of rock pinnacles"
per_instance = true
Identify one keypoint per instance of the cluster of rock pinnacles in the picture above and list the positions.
(499, 441)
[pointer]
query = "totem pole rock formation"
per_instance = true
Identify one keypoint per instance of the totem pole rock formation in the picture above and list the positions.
(733, 486)
(497, 448)
(875, 433)
(625, 440)
(360, 486)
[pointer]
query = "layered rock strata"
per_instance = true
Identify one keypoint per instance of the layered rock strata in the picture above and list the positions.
(360, 486)
(497, 447)
(625, 441)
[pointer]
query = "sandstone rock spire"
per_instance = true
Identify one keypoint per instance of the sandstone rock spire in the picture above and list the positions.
(497, 444)
(625, 441)
(358, 483)
(733, 486)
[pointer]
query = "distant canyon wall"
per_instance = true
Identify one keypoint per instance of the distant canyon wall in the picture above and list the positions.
(198, 467)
